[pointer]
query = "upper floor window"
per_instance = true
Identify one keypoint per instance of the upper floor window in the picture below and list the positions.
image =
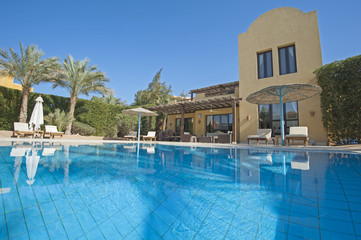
(287, 60)
(265, 67)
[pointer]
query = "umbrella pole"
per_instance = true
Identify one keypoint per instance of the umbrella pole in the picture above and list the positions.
(282, 121)
(140, 115)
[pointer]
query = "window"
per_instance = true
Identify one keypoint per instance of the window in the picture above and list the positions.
(265, 67)
(221, 123)
(269, 117)
(287, 60)
(188, 125)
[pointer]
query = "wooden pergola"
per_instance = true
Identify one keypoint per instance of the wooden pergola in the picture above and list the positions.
(216, 90)
(203, 104)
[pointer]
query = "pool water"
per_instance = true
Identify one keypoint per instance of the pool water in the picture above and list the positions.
(116, 191)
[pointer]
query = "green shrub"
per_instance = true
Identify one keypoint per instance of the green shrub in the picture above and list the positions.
(58, 118)
(82, 129)
(126, 123)
(99, 115)
(340, 99)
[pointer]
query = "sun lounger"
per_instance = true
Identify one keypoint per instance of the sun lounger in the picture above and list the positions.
(150, 136)
(52, 131)
(22, 129)
(131, 136)
(298, 133)
(262, 134)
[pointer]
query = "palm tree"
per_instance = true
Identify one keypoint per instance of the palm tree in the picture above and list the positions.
(110, 99)
(78, 78)
(28, 68)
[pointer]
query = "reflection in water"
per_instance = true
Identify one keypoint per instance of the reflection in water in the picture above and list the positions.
(18, 152)
(146, 181)
(236, 165)
(32, 161)
(301, 161)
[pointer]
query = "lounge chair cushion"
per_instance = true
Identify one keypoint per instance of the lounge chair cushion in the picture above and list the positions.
(297, 135)
(51, 129)
(295, 131)
(257, 136)
(23, 127)
(262, 133)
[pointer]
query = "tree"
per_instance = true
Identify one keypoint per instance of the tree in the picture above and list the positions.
(28, 68)
(110, 99)
(157, 93)
(58, 118)
(184, 94)
(80, 79)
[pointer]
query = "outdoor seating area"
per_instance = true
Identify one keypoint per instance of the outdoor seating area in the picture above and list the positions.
(298, 134)
(52, 131)
(261, 135)
(150, 136)
(22, 129)
(132, 136)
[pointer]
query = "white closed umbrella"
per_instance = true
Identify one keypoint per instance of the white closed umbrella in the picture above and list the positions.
(31, 165)
(37, 117)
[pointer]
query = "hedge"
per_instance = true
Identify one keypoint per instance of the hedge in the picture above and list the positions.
(99, 115)
(341, 99)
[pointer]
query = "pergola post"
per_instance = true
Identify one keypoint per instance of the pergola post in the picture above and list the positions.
(234, 111)
(191, 96)
(182, 121)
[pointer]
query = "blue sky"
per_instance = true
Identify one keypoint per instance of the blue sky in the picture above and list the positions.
(195, 42)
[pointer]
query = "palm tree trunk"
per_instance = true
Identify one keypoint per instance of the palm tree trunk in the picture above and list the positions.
(71, 114)
(24, 105)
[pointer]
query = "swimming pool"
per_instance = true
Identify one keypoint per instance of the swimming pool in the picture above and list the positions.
(112, 191)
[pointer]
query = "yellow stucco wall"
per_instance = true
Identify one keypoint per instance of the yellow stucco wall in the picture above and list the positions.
(9, 83)
(199, 124)
(278, 28)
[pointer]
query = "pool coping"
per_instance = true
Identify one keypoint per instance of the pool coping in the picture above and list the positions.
(351, 149)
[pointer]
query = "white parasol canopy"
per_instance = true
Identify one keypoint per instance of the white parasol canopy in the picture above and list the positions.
(139, 111)
(37, 117)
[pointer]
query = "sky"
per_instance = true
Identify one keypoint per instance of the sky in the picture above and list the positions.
(194, 41)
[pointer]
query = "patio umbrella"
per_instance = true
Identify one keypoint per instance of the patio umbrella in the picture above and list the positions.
(284, 94)
(32, 165)
(37, 117)
(139, 111)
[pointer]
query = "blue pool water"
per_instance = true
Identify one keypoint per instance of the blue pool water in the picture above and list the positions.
(170, 192)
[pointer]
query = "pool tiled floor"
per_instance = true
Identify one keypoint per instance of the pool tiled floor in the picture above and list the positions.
(106, 192)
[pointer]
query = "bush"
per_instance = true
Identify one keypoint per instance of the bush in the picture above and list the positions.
(340, 99)
(58, 118)
(82, 129)
(126, 123)
(99, 115)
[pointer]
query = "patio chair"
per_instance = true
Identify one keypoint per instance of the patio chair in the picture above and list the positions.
(168, 135)
(22, 129)
(298, 133)
(150, 136)
(131, 136)
(224, 138)
(262, 134)
(186, 137)
(52, 131)
(205, 139)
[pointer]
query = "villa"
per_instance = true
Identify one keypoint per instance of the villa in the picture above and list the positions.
(281, 46)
